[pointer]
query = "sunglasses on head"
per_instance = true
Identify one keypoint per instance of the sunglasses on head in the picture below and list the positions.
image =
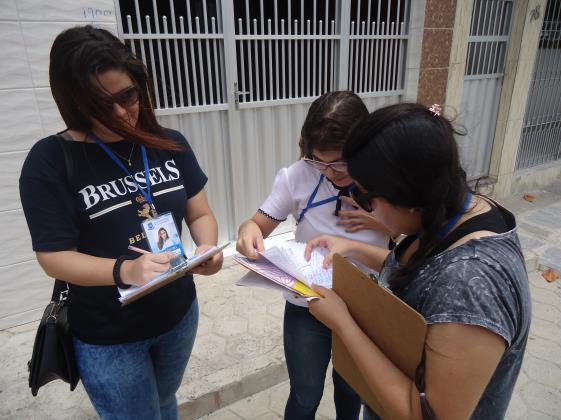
(323, 166)
(363, 199)
(125, 98)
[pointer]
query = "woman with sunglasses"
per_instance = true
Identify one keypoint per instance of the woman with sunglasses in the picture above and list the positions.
(311, 190)
(461, 267)
(85, 193)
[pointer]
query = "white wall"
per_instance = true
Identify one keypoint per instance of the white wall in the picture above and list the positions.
(27, 114)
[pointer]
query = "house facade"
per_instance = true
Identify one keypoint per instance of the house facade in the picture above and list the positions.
(237, 77)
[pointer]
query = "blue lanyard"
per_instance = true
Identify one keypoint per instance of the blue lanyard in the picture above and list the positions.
(145, 192)
(445, 230)
(311, 203)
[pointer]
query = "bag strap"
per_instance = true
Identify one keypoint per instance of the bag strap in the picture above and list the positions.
(61, 286)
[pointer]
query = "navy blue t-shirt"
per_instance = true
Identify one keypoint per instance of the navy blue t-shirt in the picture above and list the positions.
(99, 213)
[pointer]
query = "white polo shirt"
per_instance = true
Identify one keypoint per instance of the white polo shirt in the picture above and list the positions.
(291, 191)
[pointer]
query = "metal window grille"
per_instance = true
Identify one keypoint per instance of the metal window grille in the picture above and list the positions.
(181, 44)
(541, 131)
(377, 46)
(291, 50)
(487, 44)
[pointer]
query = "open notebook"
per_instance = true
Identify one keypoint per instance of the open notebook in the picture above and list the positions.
(133, 293)
(284, 265)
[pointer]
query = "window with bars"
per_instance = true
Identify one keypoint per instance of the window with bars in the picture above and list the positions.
(488, 39)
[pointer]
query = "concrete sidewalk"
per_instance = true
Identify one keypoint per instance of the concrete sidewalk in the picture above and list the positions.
(237, 369)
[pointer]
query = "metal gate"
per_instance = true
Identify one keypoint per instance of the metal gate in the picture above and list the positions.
(237, 78)
(541, 130)
(487, 47)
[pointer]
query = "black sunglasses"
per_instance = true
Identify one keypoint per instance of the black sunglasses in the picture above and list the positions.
(125, 98)
(363, 199)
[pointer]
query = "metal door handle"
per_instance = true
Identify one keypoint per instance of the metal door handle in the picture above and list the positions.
(238, 93)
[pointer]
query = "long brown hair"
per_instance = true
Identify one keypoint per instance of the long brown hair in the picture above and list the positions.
(78, 56)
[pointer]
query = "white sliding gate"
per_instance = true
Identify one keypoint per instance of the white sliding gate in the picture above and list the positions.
(487, 47)
(237, 78)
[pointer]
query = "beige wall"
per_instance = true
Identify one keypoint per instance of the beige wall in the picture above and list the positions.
(518, 73)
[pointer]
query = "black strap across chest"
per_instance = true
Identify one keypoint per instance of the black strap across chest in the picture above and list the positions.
(495, 220)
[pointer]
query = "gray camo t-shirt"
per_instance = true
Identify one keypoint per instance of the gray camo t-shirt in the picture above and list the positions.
(482, 282)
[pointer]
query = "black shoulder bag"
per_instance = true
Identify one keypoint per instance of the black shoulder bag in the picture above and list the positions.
(53, 351)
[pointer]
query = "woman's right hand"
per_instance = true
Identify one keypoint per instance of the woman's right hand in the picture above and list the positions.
(141, 270)
(335, 245)
(250, 240)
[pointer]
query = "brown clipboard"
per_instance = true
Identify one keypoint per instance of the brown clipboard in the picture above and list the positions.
(396, 328)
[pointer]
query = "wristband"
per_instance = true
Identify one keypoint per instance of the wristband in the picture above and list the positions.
(117, 271)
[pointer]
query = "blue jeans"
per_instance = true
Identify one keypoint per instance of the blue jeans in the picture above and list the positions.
(307, 349)
(138, 380)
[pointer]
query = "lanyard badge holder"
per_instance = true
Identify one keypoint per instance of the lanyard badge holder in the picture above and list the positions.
(161, 230)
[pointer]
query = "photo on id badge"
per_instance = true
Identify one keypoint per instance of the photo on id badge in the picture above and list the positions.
(163, 236)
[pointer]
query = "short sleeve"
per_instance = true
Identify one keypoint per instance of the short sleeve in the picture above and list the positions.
(46, 198)
(194, 179)
(468, 291)
(280, 202)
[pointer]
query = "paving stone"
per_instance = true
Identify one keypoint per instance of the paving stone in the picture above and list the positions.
(230, 326)
(265, 325)
(541, 295)
(535, 230)
(545, 350)
(543, 219)
(542, 398)
(547, 313)
(545, 329)
(216, 306)
(251, 407)
(222, 415)
(268, 416)
(550, 258)
(249, 347)
(205, 325)
(530, 243)
(536, 415)
(249, 307)
(266, 295)
(516, 409)
(543, 371)
(276, 309)
(278, 398)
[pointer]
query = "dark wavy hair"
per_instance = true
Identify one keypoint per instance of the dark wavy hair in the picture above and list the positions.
(78, 56)
(407, 155)
(329, 121)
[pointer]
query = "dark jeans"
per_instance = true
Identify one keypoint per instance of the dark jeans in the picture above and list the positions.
(307, 349)
(138, 380)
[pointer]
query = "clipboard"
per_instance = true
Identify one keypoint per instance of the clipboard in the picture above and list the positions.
(134, 293)
(396, 328)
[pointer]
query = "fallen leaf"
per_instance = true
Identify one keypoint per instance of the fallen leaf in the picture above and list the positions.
(530, 197)
(550, 275)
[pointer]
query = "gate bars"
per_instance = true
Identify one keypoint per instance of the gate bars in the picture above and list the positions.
(541, 131)
(288, 51)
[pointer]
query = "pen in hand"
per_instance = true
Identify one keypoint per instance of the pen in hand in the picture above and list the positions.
(139, 250)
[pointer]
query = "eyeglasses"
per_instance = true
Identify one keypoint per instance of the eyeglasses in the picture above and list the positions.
(363, 199)
(340, 167)
(125, 98)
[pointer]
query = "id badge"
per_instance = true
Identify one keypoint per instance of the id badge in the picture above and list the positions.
(163, 236)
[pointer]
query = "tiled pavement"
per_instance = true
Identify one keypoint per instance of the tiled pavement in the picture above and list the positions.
(237, 370)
